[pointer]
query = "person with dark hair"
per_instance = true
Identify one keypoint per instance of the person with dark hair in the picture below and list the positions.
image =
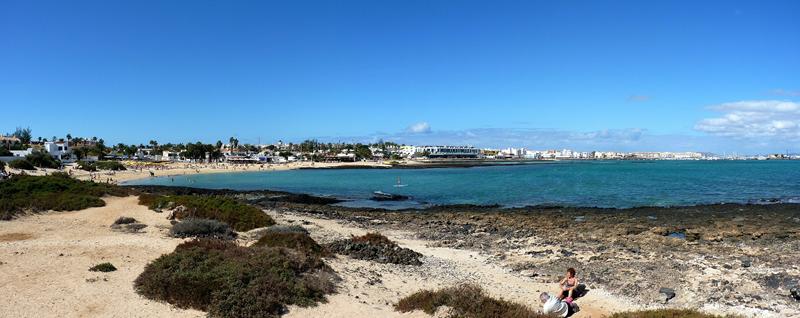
(568, 285)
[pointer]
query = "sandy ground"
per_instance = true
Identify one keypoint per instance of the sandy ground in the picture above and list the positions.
(175, 169)
(370, 289)
(44, 262)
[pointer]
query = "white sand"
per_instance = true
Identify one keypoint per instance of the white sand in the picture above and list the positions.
(442, 267)
(37, 282)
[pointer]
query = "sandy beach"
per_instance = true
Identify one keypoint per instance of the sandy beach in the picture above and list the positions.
(44, 261)
(143, 170)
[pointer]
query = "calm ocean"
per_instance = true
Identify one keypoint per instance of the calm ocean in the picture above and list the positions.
(587, 183)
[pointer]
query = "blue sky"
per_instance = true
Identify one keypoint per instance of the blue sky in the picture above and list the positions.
(612, 75)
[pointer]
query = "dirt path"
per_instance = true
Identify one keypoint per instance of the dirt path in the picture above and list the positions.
(369, 289)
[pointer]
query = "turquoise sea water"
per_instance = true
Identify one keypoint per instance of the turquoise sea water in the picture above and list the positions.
(586, 183)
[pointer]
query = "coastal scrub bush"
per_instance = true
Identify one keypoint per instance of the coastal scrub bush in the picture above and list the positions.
(287, 229)
(127, 224)
(194, 227)
(87, 166)
(58, 191)
(124, 220)
(104, 267)
(465, 301)
(2, 166)
(21, 164)
(228, 280)
(666, 313)
(298, 241)
(110, 165)
(375, 247)
(43, 160)
(240, 216)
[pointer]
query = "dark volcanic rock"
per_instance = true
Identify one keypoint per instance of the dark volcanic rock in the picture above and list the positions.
(383, 251)
(666, 294)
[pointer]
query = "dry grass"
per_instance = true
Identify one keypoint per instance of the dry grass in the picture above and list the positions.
(467, 301)
(10, 237)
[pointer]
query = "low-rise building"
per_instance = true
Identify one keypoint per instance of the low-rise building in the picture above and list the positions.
(466, 152)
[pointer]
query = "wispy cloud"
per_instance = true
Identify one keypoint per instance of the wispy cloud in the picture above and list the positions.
(757, 119)
(783, 92)
(639, 98)
(419, 128)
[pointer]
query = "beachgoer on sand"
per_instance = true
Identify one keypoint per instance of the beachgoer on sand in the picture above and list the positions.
(568, 285)
(555, 307)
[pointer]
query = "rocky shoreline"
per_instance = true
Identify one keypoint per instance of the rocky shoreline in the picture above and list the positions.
(731, 256)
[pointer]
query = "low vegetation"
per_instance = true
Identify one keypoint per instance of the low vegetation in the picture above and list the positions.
(240, 216)
(104, 267)
(293, 240)
(228, 280)
(58, 191)
(43, 160)
(287, 229)
(194, 227)
(100, 165)
(666, 313)
(375, 247)
(124, 220)
(468, 301)
(21, 164)
(128, 224)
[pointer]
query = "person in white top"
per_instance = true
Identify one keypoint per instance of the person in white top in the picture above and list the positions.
(554, 307)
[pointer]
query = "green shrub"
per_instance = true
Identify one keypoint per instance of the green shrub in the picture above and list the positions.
(43, 160)
(287, 229)
(104, 267)
(5, 152)
(194, 227)
(110, 165)
(665, 313)
(467, 301)
(240, 216)
(124, 220)
(87, 166)
(58, 191)
(22, 164)
(2, 165)
(228, 280)
(298, 241)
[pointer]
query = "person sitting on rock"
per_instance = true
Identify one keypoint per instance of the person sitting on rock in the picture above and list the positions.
(568, 285)
(554, 306)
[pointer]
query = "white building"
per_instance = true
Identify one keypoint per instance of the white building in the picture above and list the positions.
(448, 152)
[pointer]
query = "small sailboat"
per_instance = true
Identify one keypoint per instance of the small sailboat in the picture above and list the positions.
(399, 183)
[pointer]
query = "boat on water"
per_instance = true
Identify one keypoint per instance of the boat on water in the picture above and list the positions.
(399, 183)
(383, 196)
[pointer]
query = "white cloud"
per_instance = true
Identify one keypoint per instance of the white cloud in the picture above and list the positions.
(419, 128)
(764, 119)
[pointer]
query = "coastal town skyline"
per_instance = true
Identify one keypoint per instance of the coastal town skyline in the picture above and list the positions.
(21, 140)
(666, 77)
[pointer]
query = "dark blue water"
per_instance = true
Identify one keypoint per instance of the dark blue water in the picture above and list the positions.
(587, 183)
